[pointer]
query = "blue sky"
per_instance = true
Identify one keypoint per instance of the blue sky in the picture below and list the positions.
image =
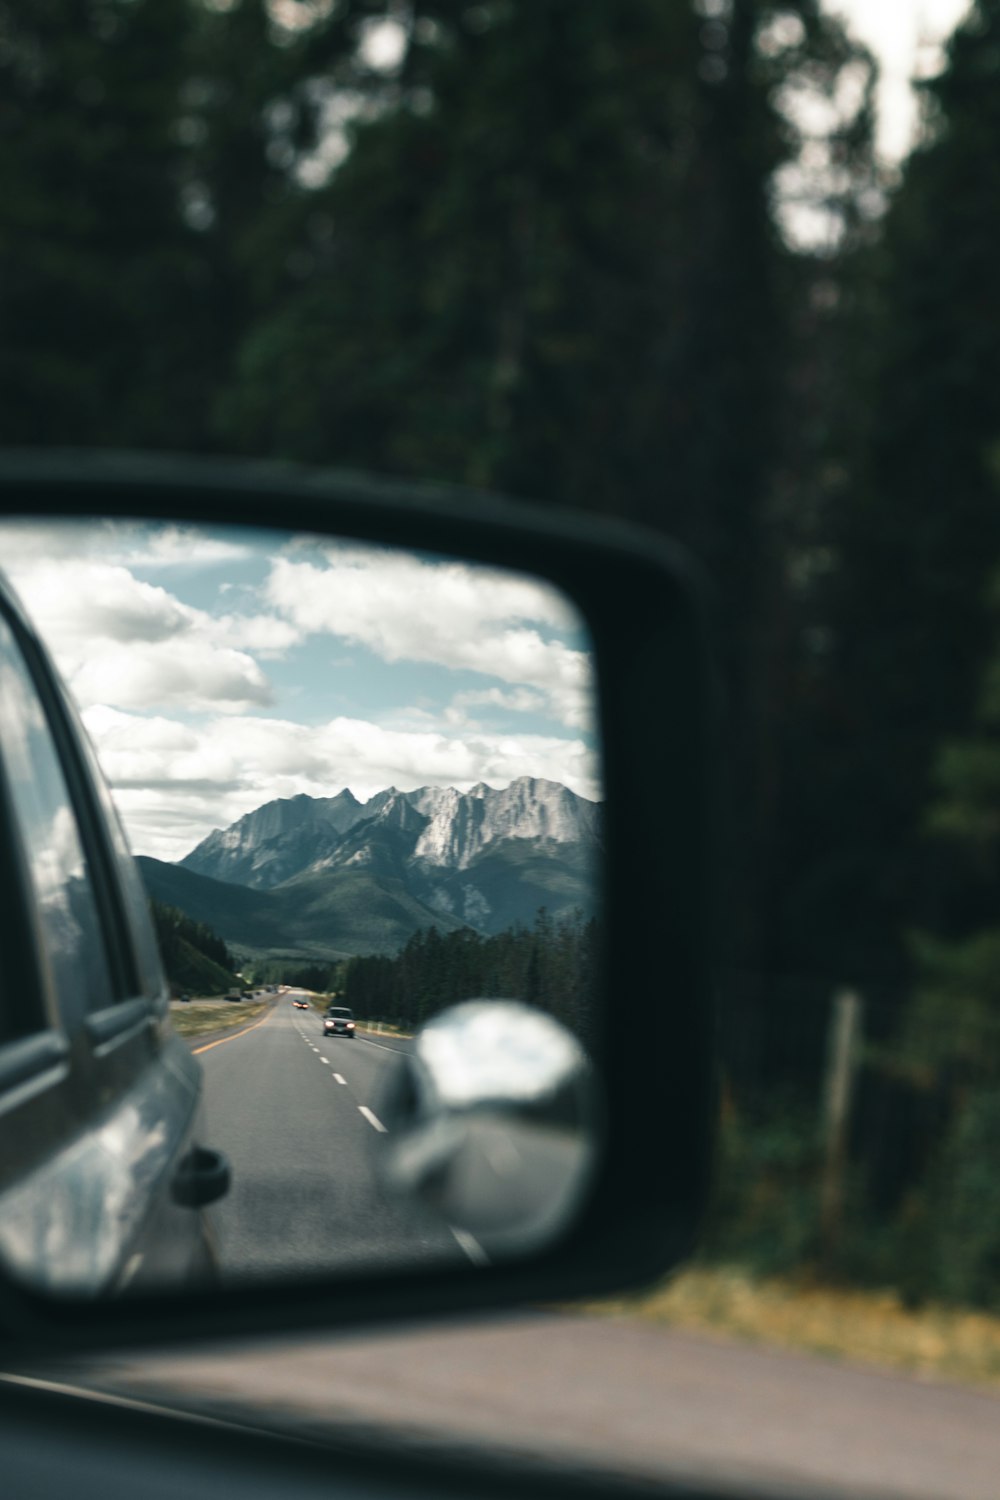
(216, 670)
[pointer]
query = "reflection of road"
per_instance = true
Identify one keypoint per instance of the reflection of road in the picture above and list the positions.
(514, 1181)
(296, 1113)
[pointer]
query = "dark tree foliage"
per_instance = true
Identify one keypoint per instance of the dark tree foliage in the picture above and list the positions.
(103, 291)
(178, 933)
(550, 264)
(320, 977)
(146, 200)
(917, 537)
(552, 965)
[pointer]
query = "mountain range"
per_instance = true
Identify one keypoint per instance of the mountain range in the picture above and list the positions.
(330, 876)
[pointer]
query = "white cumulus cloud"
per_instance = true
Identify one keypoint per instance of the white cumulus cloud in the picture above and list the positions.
(194, 713)
(454, 615)
(131, 644)
(174, 784)
(178, 672)
(131, 543)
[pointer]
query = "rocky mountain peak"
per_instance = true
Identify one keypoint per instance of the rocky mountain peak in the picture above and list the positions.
(434, 827)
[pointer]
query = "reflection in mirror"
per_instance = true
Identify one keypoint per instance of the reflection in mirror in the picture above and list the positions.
(363, 786)
(494, 1121)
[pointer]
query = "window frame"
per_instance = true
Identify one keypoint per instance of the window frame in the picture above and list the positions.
(127, 1004)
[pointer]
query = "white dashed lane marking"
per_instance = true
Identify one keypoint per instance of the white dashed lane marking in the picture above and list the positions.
(381, 1045)
(474, 1251)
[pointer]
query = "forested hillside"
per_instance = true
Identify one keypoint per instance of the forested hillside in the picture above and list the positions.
(195, 959)
(552, 964)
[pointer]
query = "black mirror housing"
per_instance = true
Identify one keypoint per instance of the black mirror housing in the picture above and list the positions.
(641, 601)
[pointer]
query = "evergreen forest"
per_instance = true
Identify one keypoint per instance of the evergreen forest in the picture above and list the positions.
(553, 965)
(194, 957)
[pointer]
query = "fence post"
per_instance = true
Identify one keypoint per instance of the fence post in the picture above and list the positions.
(842, 1053)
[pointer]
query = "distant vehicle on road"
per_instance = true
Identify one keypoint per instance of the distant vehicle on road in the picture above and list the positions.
(235, 996)
(338, 1021)
(301, 1004)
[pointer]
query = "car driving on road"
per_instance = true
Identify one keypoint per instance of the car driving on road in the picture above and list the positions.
(338, 1021)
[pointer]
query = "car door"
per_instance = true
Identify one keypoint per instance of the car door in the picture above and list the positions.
(99, 1100)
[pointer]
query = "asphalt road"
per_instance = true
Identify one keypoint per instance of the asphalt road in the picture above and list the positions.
(599, 1394)
(296, 1113)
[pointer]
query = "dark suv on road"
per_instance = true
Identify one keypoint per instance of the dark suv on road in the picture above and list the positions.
(338, 1021)
(102, 1173)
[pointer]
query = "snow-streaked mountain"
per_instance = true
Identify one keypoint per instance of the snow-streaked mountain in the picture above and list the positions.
(276, 841)
(433, 831)
(462, 825)
(359, 877)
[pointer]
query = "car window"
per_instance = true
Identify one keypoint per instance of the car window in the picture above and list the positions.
(134, 899)
(69, 929)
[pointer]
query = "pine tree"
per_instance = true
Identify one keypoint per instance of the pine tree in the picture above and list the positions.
(920, 530)
(103, 289)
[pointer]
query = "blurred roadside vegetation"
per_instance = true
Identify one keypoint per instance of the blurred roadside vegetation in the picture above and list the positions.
(632, 258)
(929, 1227)
(935, 1341)
(206, 1018)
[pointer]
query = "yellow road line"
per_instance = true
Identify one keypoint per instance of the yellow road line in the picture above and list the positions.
(233, 1035)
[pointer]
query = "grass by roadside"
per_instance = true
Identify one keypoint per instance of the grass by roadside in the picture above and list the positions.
(934, 1341)
(201, 1016)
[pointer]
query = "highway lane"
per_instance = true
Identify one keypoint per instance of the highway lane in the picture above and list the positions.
(296, 1113)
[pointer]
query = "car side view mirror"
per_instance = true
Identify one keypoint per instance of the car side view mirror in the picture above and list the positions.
(379, 977)
(493, 1120)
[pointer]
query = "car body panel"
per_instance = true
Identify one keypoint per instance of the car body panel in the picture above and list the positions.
(99, 1100)
(99, 1211)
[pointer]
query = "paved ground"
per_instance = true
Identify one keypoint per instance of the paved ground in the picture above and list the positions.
(607, 1393)
(296, 1113)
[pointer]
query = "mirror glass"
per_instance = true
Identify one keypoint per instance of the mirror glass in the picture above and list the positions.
(364, 788)
(492, 1121)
